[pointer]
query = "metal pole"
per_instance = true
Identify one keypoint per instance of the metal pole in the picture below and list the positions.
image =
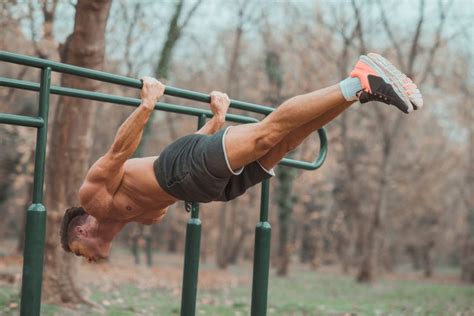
(121, 80)
(103, 97)
(36, 215)
(261, 261)
(191, 256)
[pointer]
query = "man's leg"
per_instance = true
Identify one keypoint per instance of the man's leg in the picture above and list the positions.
(247, 143)
(297, 136)
(374, 76)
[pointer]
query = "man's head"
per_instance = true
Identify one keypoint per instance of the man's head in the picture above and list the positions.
(79, 235)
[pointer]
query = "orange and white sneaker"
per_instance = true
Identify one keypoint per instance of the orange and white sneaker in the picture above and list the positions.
(382, 81)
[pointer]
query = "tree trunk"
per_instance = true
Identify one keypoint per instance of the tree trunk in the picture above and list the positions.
(70, 141)
(221, 251)
(467, 261)
(346, 194)
(366, 272)
(173, 232)
(467, 255)
(233, 73)
(427, 259)
(412, 252)
(285, 176)
(238, 243)
(285, 208)
(311, 237)
(174, 32)
(227, 248)
(226, 240)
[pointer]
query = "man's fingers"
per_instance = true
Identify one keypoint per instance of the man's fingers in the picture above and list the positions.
(219, 96)
(149, 81)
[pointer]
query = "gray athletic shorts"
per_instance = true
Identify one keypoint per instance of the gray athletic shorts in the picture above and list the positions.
(195, 168)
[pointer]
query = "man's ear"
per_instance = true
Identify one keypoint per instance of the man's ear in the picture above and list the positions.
(81, 231)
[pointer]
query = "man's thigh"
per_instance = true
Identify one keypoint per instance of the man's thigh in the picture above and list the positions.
(246, 143)
(252, 174)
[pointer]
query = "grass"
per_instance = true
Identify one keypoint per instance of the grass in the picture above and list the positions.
(304, 292)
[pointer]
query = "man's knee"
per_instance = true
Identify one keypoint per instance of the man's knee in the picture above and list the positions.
(290, 144)
(268, 138)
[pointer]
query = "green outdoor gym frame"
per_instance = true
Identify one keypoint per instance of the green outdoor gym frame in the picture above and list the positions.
(36, 214)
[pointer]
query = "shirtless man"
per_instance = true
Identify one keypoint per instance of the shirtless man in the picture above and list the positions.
(213, 164)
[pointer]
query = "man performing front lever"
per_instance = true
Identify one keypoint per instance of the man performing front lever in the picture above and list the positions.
(213, 164)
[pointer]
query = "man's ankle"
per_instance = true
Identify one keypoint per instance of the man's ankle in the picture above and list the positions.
(350, 87)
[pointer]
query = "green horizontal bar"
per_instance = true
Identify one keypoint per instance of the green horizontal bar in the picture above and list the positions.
(323, 152)
(103, 97)
(13, 119)
(97, 96)
(122, 80)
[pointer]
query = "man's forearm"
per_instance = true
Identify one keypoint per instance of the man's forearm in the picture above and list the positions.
(212, 126)
(130, 133)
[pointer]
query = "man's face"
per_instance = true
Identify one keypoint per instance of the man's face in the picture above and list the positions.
(89, 247)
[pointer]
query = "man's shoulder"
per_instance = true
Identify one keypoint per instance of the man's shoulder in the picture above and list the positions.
(93, 194)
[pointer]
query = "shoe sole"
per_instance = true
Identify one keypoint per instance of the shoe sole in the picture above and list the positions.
(395, 82)
(399, 77)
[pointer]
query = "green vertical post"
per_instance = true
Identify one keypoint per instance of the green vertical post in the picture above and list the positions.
(33, 253)
(261, 259)
(191, 256)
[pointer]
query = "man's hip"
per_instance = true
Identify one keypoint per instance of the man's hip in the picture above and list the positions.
(195, 168)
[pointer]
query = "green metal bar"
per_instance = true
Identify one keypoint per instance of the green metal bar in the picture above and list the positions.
(36, 215)
(323, 152)
(97, 96)
(191, 265)
(135, 83)
(191, 255)
(261, 260)
(264, 200)
(122, 80)
(103, 97)
(22, 120)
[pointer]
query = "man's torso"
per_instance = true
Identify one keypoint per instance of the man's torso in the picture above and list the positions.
(139, 197)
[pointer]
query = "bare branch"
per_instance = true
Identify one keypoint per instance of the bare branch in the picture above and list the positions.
(190, 14)
(416, 39)
(391, 36)
(129, 37)
(443, 12)
(358, 28)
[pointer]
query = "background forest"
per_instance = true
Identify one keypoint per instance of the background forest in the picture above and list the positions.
(394, 200)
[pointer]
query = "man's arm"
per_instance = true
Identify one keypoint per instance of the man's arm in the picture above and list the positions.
(219, 105)
(108, 169)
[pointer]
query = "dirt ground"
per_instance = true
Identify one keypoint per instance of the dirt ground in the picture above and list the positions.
(167, 273)
(166, 276)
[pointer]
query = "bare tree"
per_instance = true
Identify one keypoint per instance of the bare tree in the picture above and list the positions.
(176, 26)
(390, 136)
(70, 140)
(228, 245)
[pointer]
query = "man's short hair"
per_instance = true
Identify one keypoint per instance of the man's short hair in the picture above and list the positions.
(72, 214)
